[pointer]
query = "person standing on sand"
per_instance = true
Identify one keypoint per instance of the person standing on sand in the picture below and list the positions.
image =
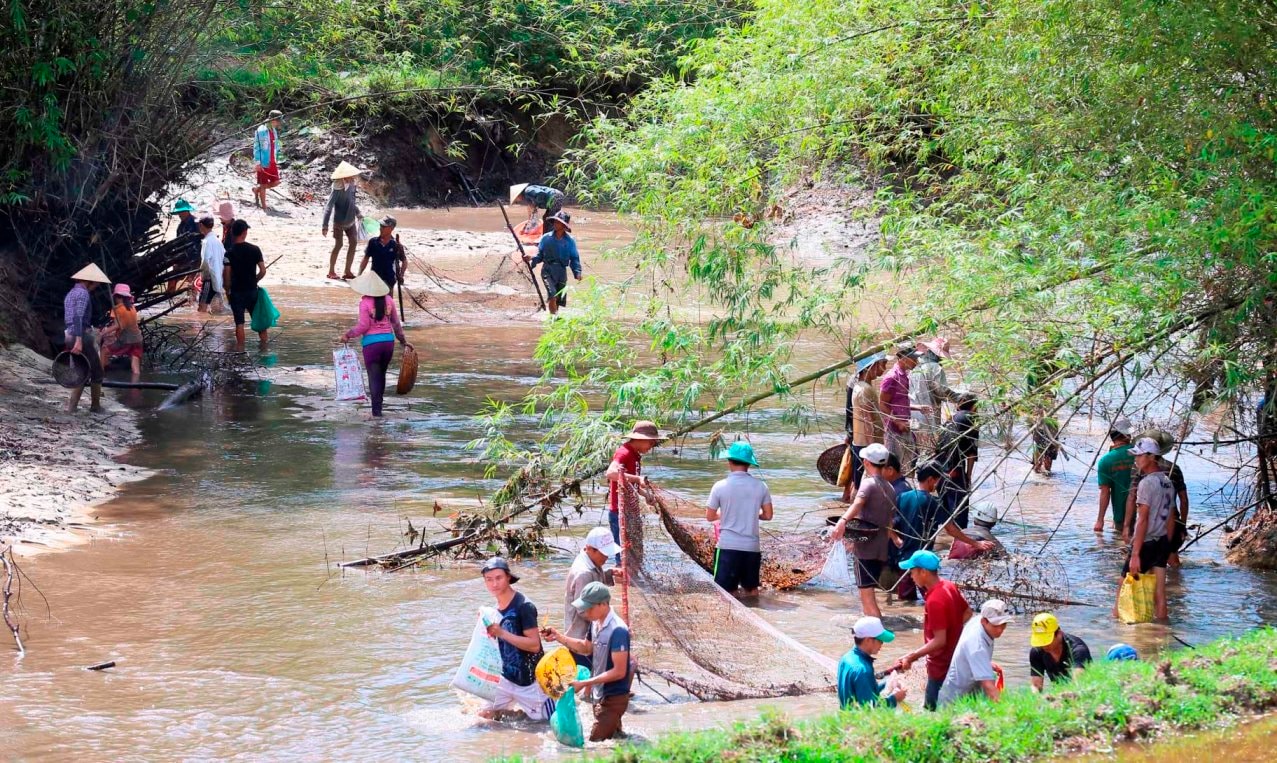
(538, 197)
(1154, 509)
(875, 502)
(556, 253)
(245, 266)
(125, 334)
(266, 156)
(944, 614)
(212, 263)
(737, 503)
(81, 338)
(386, 255)
(627, 466)
(343, 210)
(379, 326)
(856, 680)
(1114, 476)
(864, 415)
(971, 670)
(519, 641)
(186, 226)
(588, 568)
(612, 668)
(893, 391)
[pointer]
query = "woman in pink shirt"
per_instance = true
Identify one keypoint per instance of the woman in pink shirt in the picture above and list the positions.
(379, 326)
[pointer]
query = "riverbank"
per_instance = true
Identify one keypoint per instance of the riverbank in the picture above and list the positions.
(55, 467)
(1110, 703)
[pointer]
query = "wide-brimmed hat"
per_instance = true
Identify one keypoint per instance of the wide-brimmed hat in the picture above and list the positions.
(369, 284)
(275, 114)
(645, 430)
(939, 345)
(122, 290)
(498, 563)
(906, 350)
(562, 219)
(741, 452)
(516, 191)
(226, 212)
(346, 170)
(182, 205)
(90, 273)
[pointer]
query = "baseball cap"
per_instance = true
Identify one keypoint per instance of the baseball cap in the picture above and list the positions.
(871, 627)
(600, 539)
(1119, 652)
(996, 612)
(498, 563)
(388, 222)
(1045, 627)
(1121, 425)
(865, 363)
(906, 350)
(923, 560)
(594, 593)
(875, 453)
(1146, 446)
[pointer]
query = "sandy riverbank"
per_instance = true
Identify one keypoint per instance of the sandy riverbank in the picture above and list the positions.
(55, 467)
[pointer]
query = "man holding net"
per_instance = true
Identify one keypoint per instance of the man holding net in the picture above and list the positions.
(875, 507)
(737, 503)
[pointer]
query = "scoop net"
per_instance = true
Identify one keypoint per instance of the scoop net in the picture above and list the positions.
(693, 634)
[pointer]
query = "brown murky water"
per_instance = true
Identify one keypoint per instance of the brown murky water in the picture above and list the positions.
(236, 636)
(1248, 743)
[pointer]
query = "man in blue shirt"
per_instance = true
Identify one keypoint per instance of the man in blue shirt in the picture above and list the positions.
(919, 516)
(856, 680)
(557, 253)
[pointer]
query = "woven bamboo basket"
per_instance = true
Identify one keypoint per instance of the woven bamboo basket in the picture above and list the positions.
(829, 462)
(407, 372)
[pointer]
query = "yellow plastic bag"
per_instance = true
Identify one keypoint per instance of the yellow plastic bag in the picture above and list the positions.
(555, 671)
(1135, 602)
(844, 468)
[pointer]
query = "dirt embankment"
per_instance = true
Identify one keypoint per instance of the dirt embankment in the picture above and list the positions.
(55, 467)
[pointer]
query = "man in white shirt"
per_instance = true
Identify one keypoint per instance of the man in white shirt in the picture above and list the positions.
(971, 670)
(212, 260)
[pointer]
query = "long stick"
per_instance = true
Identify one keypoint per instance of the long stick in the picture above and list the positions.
(523, 254)
(5, 594)
(403, 264)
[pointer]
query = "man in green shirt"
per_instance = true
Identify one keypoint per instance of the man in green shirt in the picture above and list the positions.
(1114, 472)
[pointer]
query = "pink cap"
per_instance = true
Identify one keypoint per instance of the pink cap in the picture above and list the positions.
(123, 290)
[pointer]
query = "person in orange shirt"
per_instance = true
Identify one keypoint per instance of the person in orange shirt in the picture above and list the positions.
(125, 337)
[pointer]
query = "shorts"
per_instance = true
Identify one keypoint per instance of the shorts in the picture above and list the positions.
(737, 569)
(904, 446)
(1153, 553)
(530, 699)
(857, 466)
(241, 303)
(868, 571)
(269, 174)
(556, 287)
(206, 292)
(608, 712)
(1045, 440)
(132, 350)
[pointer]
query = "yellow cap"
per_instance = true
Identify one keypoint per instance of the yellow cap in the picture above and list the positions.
(1044, 627)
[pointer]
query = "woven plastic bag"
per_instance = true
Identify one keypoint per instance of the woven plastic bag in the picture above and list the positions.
(565, 723)
(480, 668)
(348, 373)
(1135, 602)
(836, 573)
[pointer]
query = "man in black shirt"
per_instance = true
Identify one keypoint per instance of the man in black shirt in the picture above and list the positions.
(385, 253)
(1054, 655)
(244, 268)
(957, 449)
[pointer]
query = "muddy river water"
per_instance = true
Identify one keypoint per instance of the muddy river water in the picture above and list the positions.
(216, 590)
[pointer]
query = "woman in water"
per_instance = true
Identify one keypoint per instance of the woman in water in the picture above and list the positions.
(379, 326)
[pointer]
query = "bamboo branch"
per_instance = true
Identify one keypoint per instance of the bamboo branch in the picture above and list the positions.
(10, 566)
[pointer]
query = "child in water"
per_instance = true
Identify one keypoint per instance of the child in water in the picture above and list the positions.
(124, 337)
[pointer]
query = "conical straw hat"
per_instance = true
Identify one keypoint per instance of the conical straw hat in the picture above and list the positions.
(370, 284)
(346, 170)
(90, 273)
(515, 190)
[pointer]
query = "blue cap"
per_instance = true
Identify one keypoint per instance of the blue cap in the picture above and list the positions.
(742, 452)
(923, 560)
(1119, 652)
(864, 363)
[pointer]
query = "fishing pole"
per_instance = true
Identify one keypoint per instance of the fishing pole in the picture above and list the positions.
(519, 243)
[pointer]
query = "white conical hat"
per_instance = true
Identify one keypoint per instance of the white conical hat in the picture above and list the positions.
(346, 170)
(515, 190)
(370, 284)
(90, 273)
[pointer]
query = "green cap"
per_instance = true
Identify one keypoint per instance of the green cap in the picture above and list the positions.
(594, 593)
(741, 452)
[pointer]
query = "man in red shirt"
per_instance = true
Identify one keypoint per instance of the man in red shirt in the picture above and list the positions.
(627, 466)
(944, 614)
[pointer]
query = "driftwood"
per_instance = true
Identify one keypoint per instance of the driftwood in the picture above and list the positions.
(413, 553)
(139, 385)
(9, 568)
(1008, 594)
(102, 665)
(191, 389)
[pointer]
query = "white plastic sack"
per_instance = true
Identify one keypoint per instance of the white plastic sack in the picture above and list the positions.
(836, 573)
(350, 376)
(480, 668)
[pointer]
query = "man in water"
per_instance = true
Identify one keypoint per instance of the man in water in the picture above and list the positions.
(519, 640)
(737, 503)
(1177, 529)
(537, 197)
(892, 472)
(856, 681)
(609, 647)
(1154, 507)
(1114, 475)
(586, 569)
(980, 539)
(929, 388)
(957, 450)
(893, 391)
(186, 226)
(944, 615)
(971, 671)
(386, 255)
(212, 265)
(918, 517)
(244, 268)
(266, 156)
(864, 415)
(1053, 654)
(627, 466)
(556, 254)
(875, 502)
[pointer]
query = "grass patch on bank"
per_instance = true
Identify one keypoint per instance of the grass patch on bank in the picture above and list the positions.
(1111, 702)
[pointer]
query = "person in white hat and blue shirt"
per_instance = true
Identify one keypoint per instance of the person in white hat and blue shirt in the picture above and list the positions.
(971, 670)
(737, 503)
(856, 680)
(588, 568)
(864, 415)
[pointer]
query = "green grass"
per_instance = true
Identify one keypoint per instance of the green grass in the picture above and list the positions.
(1111, 702)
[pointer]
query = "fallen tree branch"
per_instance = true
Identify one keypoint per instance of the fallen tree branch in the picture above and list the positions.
(6, 595)
(412, 553)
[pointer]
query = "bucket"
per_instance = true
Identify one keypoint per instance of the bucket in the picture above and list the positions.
(71, 370)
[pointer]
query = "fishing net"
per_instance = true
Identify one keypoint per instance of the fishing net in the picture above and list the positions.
(1028, 584)
(693, 634)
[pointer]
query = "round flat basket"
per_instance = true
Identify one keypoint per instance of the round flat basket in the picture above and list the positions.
(858, 530)
(829, 462)
(71, 370)
(407, 372)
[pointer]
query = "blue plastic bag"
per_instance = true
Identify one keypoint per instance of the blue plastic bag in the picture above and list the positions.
(565, 722)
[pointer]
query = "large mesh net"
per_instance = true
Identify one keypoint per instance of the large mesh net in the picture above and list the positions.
(693, 634)
(1028, 584)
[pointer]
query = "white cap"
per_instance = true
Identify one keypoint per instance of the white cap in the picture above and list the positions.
(1121, 426)
(600, 539)
(1146, 446)
(875, 453)
(995, 611)
(871, 627)
(984, 513)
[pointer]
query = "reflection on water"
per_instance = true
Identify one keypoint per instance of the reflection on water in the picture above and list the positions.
(1248, 743)
(237, 636)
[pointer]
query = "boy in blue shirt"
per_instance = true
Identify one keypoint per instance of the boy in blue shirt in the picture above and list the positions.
(856, 681)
